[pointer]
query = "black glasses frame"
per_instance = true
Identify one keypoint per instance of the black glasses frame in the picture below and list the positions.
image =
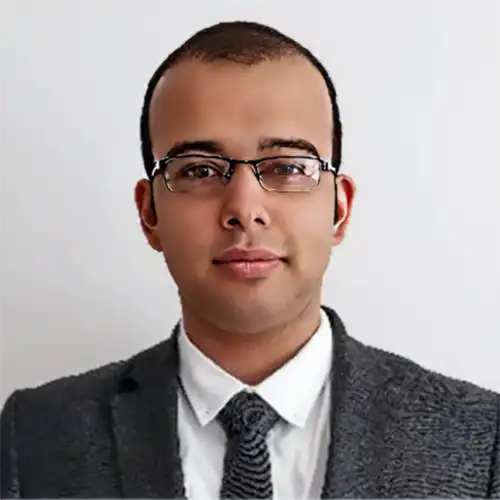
(160, 165)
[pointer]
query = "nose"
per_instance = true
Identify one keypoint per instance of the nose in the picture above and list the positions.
(244, 205)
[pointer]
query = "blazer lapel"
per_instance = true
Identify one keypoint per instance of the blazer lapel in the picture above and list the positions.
(358, 435)
(144, 413)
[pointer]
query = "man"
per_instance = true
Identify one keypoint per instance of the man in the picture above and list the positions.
(259, 392)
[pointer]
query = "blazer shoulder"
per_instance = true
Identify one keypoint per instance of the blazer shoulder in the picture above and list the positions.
(396, 372)
(97, 385)
(430, 411)
(58, 395)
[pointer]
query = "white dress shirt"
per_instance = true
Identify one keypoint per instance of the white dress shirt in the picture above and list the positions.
(298, 444)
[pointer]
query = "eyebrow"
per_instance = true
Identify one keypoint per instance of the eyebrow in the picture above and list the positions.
(209, 147)
(298, 144)
(216, 148)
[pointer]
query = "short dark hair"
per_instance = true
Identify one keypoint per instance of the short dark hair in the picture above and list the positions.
(244, 43)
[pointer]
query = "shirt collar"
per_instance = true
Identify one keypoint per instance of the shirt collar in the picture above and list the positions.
(208, 387)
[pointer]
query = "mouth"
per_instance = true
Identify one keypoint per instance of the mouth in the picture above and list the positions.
(254, 255)
(248, 261)
(257, 269)
(244, 265)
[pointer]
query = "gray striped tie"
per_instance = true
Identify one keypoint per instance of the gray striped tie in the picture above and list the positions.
(247, 419)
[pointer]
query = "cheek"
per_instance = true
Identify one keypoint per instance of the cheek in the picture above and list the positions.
(313, 228)
(186, 234)
(315, 234)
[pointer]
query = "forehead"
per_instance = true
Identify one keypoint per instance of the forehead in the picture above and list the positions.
(237, 105)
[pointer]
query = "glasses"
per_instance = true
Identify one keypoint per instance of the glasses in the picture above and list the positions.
(194, 173)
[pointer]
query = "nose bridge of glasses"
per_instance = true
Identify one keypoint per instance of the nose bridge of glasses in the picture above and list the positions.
(253, 164)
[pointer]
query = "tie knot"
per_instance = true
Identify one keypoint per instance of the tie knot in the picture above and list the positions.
(246, 413)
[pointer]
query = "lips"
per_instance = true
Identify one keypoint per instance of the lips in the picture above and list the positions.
(243, 255)
(241, 264)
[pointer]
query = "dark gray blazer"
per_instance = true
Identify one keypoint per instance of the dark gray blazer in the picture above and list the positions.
(397, 430)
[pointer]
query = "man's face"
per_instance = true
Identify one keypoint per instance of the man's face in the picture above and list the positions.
(239, 107)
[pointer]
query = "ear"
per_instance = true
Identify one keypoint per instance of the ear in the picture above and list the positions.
(147, 216)
(346, 191)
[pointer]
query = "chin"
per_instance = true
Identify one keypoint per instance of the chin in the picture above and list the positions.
(248, 316)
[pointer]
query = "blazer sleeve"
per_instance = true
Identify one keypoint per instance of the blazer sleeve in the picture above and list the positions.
(494, 485)
(9, 474)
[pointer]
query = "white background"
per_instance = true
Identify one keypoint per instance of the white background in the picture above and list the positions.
(418, 86)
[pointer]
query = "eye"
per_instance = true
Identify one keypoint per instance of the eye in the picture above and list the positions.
(285, 168)
(200, 171)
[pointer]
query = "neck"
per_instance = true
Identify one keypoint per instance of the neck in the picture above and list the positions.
(251, 358)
